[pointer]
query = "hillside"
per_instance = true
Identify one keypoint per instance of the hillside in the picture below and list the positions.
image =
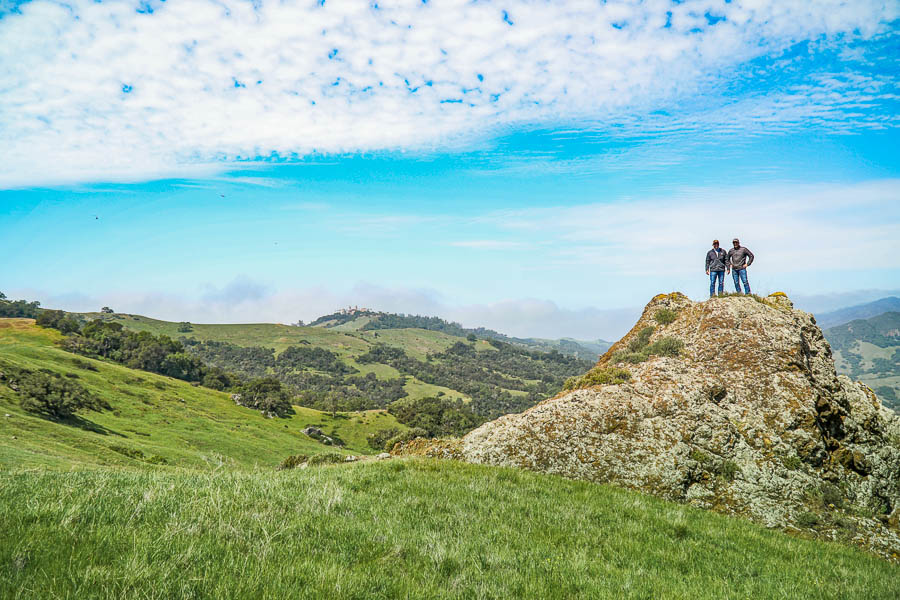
(869, 350)
(860, 311)
(367, 320)
(152, 417)
(335, 361)
(732, 404)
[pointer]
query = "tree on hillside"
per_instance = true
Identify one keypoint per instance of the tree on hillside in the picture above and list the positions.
(267, 395)
(57, 319)
(2, 296)
(185, 327)
(52, 395)
(107, 310)
(19, 309)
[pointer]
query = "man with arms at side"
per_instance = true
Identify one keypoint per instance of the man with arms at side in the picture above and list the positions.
(716, 266)
(739, 258)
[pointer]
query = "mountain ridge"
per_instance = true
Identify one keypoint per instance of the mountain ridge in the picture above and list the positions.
(858, 311)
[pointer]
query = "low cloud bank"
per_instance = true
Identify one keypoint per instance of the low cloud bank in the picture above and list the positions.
(244, 300)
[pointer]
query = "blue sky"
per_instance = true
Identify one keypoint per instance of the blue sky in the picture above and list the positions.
(267, 162)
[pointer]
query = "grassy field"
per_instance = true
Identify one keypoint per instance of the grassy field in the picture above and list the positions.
(155, 415)
(411, 528)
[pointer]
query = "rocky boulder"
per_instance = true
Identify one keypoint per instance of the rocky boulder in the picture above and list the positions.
(731, 404)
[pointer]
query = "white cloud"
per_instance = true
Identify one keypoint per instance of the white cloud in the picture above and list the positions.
(244, 300)
(94, 90)
(792, 228)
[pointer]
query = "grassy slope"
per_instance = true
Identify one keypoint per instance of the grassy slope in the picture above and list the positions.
(270, 335)
(148, 416)
(411, 528)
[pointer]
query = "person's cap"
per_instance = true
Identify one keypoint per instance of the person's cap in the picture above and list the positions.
(715, 241)
(736, 240)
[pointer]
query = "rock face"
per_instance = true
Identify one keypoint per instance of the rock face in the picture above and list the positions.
(745, 415)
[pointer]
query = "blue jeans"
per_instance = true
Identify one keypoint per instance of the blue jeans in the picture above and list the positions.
(740, 275)
(713, 275)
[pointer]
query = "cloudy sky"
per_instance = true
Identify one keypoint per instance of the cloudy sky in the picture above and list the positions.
(542, 168)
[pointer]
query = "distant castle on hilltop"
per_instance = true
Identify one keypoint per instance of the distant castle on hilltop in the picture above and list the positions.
(353, 310)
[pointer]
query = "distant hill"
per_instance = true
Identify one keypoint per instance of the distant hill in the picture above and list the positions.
(341, 363)
(860, 311)
(869, 350)
(367, 320)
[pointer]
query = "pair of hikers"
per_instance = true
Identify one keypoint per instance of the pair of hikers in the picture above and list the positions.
(736, 261)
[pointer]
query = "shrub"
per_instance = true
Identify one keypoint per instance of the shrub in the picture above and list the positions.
(641, 340)
(808, 519)
(52, 395)
(729, 470)
(631, 357)
(597, 376)
(156, 459)
(832, 494)
(664, 316)
(409, 434)
(377, 439)
(328, 458)
(667, 346)
(292, 461)
(296, 460)
(792, 463)
(699, 456)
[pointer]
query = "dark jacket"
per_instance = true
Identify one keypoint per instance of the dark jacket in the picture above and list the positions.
(715, 260)
(739, 258)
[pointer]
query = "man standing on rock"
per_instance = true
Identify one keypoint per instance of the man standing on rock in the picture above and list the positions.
(716, 265)
(739, 258)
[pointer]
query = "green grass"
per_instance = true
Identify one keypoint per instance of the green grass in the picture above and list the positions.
(416, 342)
(148, 415)
(413, 528)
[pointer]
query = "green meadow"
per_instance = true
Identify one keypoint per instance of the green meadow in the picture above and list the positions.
(404, 528)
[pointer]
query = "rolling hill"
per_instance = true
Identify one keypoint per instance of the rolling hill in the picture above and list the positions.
(869, 350)
(492, 375)
(859, 311)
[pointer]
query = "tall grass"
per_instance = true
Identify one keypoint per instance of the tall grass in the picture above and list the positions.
(394, 529)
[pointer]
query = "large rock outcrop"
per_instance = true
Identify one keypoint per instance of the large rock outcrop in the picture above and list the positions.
(731, 404)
